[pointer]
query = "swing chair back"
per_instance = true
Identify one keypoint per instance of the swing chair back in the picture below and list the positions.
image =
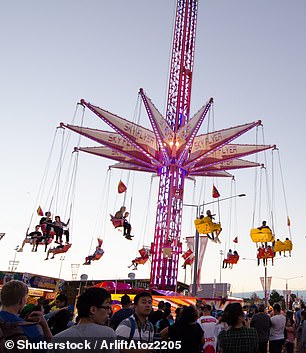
(206, 226)
(263, 235)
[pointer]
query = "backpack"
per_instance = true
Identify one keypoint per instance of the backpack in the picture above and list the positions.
(132, 321)
(12, 331)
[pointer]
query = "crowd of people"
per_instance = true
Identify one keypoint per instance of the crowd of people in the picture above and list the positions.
(190, 329)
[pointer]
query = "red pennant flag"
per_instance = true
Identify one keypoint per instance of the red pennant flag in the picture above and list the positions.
(235, 240)
(40, 211)
(121, 187)
(288, 222)
(215, 192)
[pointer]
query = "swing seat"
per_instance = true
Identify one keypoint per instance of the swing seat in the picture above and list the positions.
(63, 250)
(206, 226)
(141, 260)
(97, 257)
(261, 254)
(232, 259)
(283, 246)
(261, 235)
(117, 222)
(269, 254)
(189, 261)
(288, 245)
(144, 253)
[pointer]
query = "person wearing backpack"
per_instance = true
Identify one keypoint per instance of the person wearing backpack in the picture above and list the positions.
(137, 327)
(35, 328)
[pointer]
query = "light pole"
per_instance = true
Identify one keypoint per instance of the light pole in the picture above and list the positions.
(221, 255)
(62, 258)
(13, 263)
(288, 279)
(197, 236)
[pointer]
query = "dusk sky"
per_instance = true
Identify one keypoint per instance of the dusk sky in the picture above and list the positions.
(250, 57)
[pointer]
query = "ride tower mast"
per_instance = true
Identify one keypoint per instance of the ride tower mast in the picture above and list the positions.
(167, 247)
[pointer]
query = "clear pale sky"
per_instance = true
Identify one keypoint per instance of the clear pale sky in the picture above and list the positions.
(250, 56)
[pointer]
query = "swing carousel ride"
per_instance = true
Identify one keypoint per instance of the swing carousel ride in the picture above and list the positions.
(173, 149)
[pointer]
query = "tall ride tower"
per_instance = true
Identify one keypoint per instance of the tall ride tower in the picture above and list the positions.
(172, 149)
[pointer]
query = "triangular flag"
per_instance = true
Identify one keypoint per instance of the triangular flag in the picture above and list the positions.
(121, 187)
(40, 211)
(288, 221)
(235, 240)
(215, 192)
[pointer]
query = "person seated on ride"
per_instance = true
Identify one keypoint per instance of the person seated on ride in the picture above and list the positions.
(264, 226)
(212, 217)
(96, 255)
(46, 223)
(54, 250)
(32, 236)
(126, 226)
(288, 246)
(278, 245)
(261, 253)
(38, 237)
(235, 253)
(270, 253)
(228, 255)
(134, 263)
(120, 214)
(58, 226)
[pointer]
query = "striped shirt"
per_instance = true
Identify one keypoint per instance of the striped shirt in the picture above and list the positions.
(144, 332)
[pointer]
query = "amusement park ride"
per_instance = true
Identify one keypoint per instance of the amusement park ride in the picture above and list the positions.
(172, 149)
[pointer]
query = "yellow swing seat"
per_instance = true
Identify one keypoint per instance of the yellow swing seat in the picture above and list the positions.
(283, 246)
(261, 235)
(206, 226)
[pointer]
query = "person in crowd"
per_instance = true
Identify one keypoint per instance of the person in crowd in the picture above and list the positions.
(94, 307)
(303, 332)
(261, 322)
(137, 327)
(58, 226)
(208, 325)
(166, 320)
(238, 338)
(221, 325)
(59, 321)
(13, 299)
(289, 332)
(157, 314)
(185, 331)
(277, 338)
(123, 313)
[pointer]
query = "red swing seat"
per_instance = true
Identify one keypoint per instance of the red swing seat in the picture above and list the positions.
(63, 250)
(117, 222)
(232, 259)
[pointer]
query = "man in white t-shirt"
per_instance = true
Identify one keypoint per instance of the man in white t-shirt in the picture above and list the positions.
(277, 338)
(208, 325)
